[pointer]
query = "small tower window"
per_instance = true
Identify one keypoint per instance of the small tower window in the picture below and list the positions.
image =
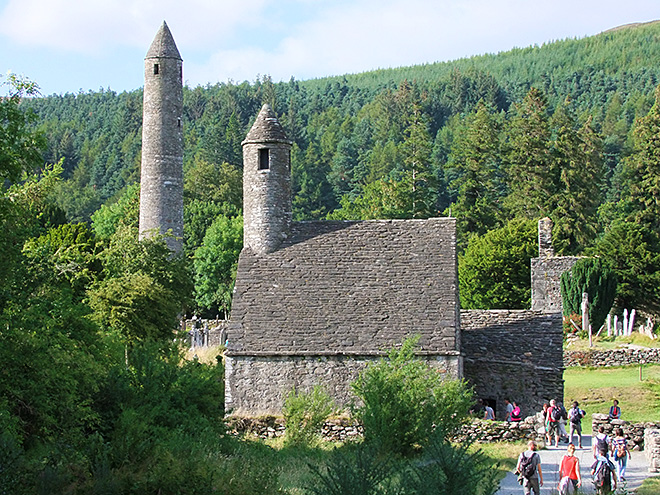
(156, 69)
(264, 159)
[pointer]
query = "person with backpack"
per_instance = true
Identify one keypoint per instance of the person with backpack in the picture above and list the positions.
(575, 415)
(529, 469)
(621, 453)
(509, 410)
(569, 472)
(605, 478)
(601, 443)
(552, 420)
(615, 410)
(563, 417)
(516, 413)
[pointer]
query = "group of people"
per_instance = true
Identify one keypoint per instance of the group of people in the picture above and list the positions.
(513, 411)
(605, 473)
(555, 417)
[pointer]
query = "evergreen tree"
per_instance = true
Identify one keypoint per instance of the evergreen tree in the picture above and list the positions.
(598, 280)
(578, 154)
(475, 163)
(417, 181)
(532, 170)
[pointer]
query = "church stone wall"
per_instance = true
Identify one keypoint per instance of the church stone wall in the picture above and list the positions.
(515, 355)
(546, 277)
(258, 385)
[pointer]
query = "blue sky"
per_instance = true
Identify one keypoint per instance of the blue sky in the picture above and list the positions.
(72, 45)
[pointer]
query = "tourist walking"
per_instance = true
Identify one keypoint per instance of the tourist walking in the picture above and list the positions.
(603, 471)
(509, 410)
(489, 414)
(621, 453)
(516, 413)
(575, 415)
(554, 415)
(529, 470)
(601, 442)
(569, 472)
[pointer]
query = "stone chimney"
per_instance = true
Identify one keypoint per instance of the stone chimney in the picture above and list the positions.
(545, 238)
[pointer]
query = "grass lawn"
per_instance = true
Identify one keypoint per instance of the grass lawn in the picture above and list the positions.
(651, 486)
(594, 389)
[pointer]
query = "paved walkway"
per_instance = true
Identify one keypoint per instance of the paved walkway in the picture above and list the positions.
(636, 471)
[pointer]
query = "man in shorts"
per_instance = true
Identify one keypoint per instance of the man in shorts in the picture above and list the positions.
(553, 422)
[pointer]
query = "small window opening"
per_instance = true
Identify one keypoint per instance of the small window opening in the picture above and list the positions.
(264, 159)
(156, 69)
(178, 122)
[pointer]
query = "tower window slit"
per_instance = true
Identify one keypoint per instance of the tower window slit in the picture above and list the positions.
(264, 159)
(156, 69)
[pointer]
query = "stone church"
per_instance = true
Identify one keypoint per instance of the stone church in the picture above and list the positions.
(316, 301)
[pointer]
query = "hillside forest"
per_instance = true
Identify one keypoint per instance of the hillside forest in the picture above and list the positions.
(559, 130)
(94, 395)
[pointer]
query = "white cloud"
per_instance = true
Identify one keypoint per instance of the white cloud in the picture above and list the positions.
(98, 25)
(238, 39)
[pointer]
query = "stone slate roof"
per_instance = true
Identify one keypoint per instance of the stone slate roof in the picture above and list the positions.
(355, 288)
(163, 45)
(266, 128)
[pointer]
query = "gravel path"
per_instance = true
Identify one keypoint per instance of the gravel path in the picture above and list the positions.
(636, 472)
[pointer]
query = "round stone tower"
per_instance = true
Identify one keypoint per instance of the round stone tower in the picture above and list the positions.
(161, 180)
(266, 184)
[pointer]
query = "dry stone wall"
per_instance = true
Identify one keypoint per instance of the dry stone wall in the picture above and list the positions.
(634, 432)
(652, 450)
(613, 357)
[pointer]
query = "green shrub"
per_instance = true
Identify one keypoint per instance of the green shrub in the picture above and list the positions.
(356, 469)
(404, 399)
(304, 414)
(447, 469)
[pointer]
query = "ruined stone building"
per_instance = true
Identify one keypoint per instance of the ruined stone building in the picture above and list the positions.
(316, 301)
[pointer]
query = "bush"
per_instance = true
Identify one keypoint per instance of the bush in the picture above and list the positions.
(404, 399)
(356, 469)
(447, 469)
(304, 414)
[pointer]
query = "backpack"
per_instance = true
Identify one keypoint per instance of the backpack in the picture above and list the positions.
(620, 452)
(555, 414)
(576, 416)
(603, 475)
(563, 411)
(516, 413)
(601, 444)
(527, 467)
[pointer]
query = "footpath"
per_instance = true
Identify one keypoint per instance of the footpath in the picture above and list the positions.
(636, 471)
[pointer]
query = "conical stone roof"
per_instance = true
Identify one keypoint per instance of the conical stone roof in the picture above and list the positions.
(266, 128)
(163, 45)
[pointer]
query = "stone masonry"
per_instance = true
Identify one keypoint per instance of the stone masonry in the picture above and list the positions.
(161, 176)
(515, 355)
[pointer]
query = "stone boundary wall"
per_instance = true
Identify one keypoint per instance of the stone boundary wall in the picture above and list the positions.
(634, 432)
(652, 450)
(614, 357)
(343, 429)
